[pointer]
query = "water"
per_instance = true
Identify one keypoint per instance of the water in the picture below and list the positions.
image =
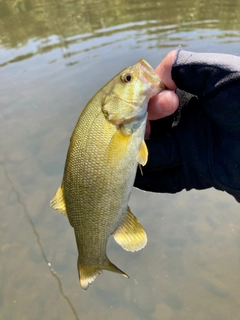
(54, 55)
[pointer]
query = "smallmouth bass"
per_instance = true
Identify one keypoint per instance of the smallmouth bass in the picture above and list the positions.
(105, 149)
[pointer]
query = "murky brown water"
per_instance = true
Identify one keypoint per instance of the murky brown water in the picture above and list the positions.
(54, 55)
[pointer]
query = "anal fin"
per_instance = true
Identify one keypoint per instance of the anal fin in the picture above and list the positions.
(130, 235)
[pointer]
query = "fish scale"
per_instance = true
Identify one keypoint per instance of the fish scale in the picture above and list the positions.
(105, 149)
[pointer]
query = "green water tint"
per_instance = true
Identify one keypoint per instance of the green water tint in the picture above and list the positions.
(54, 56)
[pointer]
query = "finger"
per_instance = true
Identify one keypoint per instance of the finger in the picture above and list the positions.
(163, 105)
(166, 102)
(164, 69)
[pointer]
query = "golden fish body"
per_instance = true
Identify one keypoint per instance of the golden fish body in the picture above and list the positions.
(105, 148)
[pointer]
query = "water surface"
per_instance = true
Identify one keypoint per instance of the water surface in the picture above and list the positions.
(54, 55)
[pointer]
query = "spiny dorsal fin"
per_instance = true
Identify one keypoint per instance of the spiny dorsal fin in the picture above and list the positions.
(130, 235)
(142, 156)
(58, 202)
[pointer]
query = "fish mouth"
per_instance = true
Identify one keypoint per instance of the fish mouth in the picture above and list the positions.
(149, 75)
(144, 64)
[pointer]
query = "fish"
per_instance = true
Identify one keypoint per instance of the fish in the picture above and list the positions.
(105, 149)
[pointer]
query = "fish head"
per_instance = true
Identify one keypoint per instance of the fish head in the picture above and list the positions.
(130, 92)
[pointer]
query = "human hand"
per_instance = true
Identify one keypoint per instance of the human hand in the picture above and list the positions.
(166, 102)
(203, 149)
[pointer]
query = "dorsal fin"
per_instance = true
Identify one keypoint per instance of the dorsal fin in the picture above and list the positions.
(130, 235)
(58, 201)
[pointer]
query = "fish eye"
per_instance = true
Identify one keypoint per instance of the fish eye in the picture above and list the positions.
(126, 77)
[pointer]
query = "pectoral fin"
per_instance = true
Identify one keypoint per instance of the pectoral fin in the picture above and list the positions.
(130, 235)
(142, 156)
(58, 201)
(118, 147)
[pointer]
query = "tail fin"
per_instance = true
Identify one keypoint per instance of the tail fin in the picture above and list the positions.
(88, 273)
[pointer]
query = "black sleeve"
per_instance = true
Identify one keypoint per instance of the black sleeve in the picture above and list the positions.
(215, 79)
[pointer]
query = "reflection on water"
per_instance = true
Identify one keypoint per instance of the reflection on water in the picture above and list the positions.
(54, 55)
(150, 32)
